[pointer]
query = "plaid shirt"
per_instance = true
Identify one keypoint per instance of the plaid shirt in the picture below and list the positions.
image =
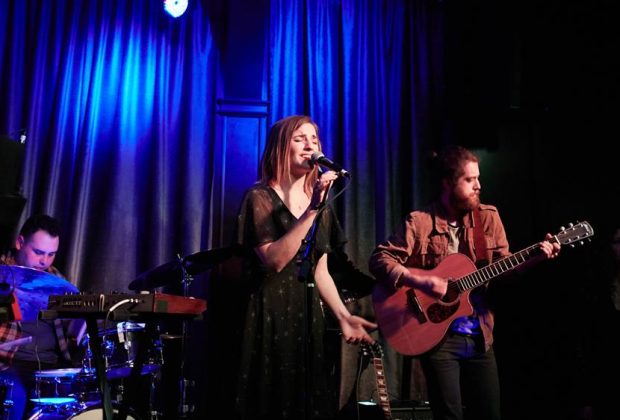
(10, 331)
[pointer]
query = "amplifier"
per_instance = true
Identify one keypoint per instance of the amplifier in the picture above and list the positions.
(411, 410)
(412, 413)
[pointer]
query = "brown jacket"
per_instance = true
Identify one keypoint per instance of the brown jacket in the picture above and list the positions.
(422, 242)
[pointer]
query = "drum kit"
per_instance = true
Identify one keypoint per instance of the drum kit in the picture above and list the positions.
(75, 393)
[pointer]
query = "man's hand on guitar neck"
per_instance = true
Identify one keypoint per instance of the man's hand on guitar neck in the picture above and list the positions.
(550, 247)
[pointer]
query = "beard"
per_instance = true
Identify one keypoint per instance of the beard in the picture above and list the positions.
(465, 204)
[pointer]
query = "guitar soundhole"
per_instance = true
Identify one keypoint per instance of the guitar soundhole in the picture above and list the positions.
(452, 294)
(438, 312)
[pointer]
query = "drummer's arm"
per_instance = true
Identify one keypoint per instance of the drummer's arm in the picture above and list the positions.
(76, 331)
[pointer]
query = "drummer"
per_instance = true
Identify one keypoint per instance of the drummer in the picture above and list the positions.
(36, 248)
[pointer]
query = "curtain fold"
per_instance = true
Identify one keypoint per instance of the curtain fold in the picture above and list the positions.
(116, 99)
(365, 70)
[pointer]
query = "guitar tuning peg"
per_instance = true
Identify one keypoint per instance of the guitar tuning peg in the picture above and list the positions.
(562, 228)
(570, 225)
(572, 245)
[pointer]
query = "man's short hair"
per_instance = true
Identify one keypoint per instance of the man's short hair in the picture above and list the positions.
(447, 164)
(41, 222)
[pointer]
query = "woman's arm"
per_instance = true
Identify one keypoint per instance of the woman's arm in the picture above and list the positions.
(353, 327)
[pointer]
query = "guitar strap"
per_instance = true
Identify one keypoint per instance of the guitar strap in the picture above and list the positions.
(480, 244)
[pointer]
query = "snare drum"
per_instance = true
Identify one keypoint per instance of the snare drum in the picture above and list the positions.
(59, 387)
(6, 397)
(82, 412)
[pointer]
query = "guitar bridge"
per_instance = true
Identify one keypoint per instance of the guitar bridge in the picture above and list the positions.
(416, 308)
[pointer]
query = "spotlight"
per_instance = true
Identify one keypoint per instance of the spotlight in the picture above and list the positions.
(175, 8)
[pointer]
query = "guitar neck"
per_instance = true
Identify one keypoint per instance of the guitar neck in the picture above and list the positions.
(483, 275)
(384, 398)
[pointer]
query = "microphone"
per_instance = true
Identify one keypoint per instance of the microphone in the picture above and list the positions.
(319, 158)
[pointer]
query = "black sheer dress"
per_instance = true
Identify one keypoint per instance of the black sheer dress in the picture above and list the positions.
(271, 382)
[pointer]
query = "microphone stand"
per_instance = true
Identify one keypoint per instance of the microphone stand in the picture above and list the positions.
(305, 270)
(185, 407)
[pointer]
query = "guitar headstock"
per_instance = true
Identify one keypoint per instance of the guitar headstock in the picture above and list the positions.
(574, 233)
(375, 350)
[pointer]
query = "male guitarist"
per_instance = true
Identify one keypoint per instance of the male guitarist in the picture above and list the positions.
(460, 368)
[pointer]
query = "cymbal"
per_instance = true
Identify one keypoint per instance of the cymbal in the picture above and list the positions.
(205, 260)
(170, 336)
(172, 272)
(33, 288)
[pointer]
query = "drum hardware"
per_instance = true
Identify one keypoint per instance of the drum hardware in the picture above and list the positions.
(181, 308)
(183, 269)
(71, 394)
(185, 405)
(137, 358)
(120, 347)
(176, 271)
(186, 388)
(87, 412)
(6, 397)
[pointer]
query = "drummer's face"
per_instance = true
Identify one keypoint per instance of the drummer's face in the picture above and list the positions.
(37, 251)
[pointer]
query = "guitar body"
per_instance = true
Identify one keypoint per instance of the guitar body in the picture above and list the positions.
(414, 322)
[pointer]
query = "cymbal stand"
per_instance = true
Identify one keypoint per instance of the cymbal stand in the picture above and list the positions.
(100, 368)
(185, 407)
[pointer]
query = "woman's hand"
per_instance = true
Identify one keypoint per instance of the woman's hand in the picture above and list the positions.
(321, 186)
(354, 329)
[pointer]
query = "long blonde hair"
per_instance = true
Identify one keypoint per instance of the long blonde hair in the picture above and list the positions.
(275, 163)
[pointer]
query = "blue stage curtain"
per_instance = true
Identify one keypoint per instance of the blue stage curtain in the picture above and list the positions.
(116, 99)
(366, 72)
(119, 101)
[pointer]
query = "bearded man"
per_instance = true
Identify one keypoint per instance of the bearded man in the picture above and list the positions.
(461, 370)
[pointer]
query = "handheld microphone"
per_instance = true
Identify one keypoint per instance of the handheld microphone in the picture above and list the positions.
(319, 158)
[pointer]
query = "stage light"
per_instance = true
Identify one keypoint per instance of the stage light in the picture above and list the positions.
(175, 8)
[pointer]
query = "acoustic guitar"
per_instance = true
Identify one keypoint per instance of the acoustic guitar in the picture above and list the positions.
(414, 322)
